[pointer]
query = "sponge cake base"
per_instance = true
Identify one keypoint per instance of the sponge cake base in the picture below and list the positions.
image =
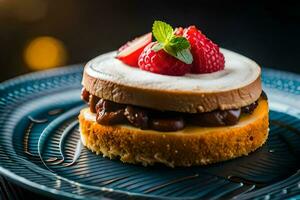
(190, 146)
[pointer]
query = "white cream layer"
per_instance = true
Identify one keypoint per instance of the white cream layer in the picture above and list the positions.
(239, 71)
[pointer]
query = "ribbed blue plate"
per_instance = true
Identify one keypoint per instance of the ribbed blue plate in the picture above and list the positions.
(40, 148)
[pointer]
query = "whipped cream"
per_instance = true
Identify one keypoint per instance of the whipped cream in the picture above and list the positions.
(239, 71)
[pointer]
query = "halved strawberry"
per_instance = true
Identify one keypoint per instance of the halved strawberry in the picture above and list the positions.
(129, 53)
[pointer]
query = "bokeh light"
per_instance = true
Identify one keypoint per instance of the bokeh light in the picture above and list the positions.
(45, 52)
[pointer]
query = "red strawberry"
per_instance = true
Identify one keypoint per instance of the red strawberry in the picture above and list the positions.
(178, 31)
(130, 52)
(161, 62)
(207, 57)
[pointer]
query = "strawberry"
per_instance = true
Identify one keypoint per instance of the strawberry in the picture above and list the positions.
(178, 31)
(206, 55)
(170, 55)
(161, 62)
(130, 52)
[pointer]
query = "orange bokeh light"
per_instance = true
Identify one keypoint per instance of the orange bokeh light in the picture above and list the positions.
(45, 52)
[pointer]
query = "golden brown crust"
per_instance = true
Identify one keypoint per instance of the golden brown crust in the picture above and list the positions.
(179, 101)
(191, 146)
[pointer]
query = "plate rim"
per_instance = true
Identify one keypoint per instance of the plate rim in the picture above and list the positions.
(52, 192)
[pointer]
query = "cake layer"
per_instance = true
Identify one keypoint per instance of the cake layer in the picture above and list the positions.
(237, 85)
(203, 145)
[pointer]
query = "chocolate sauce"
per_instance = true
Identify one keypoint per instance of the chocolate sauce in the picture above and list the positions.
(167, 124)
(109, 113)
(108, 106)
(250, 108)
(216, 118)
(92, 102)
(138, 117)
(264, 95)
(85, 95)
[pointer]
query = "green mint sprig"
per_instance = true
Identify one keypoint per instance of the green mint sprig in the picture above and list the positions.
(176, 46)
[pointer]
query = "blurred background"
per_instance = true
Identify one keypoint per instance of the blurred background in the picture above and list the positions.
(41, 34)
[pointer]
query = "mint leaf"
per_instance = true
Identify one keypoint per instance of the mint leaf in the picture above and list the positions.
(176, 46)
(170, 50)
(179, 43)
(157, 47)
(185, 56)
(162, 31)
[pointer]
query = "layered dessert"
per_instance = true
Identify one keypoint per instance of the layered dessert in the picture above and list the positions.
(179, 100)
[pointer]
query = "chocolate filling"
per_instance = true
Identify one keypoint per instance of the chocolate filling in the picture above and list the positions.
(110, 113)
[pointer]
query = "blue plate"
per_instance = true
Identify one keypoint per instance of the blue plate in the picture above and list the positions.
(40, 148)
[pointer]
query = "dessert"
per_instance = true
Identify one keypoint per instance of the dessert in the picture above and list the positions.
(179, 101)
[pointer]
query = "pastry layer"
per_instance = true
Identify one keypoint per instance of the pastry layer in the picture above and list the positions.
(236, 86)
(187, 147)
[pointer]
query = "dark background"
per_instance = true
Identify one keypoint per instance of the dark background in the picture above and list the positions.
(267, 32)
